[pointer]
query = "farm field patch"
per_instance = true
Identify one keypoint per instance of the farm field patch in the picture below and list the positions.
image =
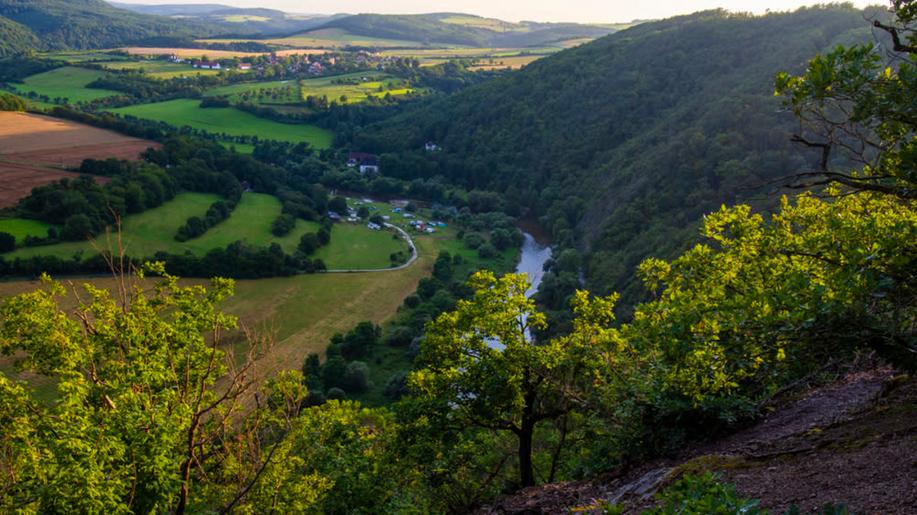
(226, 120)
(68, 82)
(36, 150)
(500, 63)
(356, 87)
(21, 228)
(159, 69)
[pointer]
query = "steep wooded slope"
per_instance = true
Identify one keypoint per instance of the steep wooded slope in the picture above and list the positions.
(623, 144)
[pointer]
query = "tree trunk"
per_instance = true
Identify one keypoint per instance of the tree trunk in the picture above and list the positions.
(526, 471)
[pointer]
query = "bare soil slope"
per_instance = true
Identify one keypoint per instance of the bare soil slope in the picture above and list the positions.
(36, 150)
(852, 442)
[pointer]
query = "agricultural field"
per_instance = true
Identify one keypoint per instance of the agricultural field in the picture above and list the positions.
(228, 121)
(36, 150)
(352, 246)
(357, 87)
(21, 228)
(154, 230)
(158, 69)
(68, 82)
(81, 56)
(503, 63)
(197, 53)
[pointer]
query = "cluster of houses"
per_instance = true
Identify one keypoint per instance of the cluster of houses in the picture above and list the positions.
(312, 67)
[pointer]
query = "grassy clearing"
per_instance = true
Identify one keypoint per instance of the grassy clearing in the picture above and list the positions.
(501, 63)
(158, 69)
(22, 227)
(354, 247)
(80, 56)
(226, 120)
(68, 82)
(154, 230)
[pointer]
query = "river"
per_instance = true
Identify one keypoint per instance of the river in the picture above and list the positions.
(531, 261)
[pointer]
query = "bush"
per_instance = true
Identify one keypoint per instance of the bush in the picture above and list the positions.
(703, 494)
(412, 301)
(308, 244)
(356, 377)
(487, 251)
(473, 241)
(7, 242)
(282, 225)
(333, 373)
(78, 227)
(335, 394)
(399, 336)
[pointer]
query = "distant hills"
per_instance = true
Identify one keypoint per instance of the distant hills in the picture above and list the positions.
(83, 24)
(87, 24)
(230, 20)
(464, 29)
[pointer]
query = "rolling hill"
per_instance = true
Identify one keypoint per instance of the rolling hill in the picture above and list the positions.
(462, 29)
(233, 20)
(623, 144)
(82, 24)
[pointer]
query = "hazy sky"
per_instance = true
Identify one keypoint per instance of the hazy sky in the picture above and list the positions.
(594, 11)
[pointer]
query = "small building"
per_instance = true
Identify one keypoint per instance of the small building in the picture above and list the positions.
(367, 163)
(206, 65)
(316, 68)
(245, 66)
(373, 226)
(431, 147)
(334, 216)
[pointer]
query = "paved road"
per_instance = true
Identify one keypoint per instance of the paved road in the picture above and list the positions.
(409, 262)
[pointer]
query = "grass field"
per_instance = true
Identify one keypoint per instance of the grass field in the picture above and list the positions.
(352, 246)
(355, 247)
(22, 227)
(79, 56)
(500, 63)
(350, 85)
(226, 120)
(158, 69)
(146, 233)
(67, 82)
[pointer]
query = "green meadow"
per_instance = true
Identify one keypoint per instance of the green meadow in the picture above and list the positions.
(158, 69)
(144, 234)
(356, 89)
(354, 247)
(22, 227)
(67, 82)
(226, 120)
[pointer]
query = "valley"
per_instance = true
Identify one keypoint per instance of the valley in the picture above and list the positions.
(256, 261)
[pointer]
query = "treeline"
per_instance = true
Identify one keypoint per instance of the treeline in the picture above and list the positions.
(216, 213)
(10, 102)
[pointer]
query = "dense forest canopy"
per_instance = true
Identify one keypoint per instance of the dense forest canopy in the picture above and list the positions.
(622, 144)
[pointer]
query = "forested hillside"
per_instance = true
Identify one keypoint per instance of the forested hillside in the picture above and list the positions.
(462, 29)
(232, 20)
(79, 24)
(623, 144)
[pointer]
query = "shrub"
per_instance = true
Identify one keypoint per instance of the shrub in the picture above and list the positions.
(335, 394)
(356, 377)
(7, 242)
(487, 251)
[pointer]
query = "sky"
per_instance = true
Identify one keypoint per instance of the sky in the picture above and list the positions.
(582, 11)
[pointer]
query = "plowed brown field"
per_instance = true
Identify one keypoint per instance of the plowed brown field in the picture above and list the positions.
(36, 150)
